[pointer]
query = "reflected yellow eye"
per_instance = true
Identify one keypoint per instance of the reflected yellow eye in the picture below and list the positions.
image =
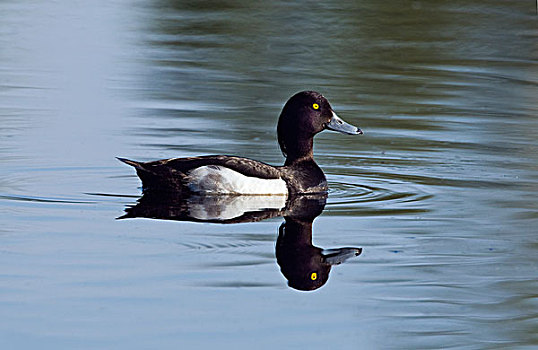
(314, 275)
(315, 106)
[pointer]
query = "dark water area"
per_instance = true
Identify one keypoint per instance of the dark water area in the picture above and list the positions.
(440, 192)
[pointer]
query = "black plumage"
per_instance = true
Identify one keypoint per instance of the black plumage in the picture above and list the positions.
(303, 116)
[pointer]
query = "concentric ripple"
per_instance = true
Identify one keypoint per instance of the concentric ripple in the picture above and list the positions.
(362, 195)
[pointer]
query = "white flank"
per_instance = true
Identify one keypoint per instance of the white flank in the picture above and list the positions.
(229, 207)
(213, 179)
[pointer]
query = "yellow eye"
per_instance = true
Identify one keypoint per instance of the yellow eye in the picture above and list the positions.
(314, 275)
(315, 106)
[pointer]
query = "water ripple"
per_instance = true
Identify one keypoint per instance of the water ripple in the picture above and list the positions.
(376, 197)
(43, 200)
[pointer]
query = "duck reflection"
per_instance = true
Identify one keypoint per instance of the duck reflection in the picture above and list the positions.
(215, 209)
(305, 266)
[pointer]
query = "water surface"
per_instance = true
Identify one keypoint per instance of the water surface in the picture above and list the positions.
(440, 192)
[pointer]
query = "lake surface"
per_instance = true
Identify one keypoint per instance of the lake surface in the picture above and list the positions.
(440, 192)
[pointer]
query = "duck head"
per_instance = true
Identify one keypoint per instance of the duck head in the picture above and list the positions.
(303, 116)
(305, 266)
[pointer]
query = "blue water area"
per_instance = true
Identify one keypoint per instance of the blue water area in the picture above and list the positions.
(427, 238)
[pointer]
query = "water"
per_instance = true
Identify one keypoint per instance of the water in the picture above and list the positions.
(440, 192)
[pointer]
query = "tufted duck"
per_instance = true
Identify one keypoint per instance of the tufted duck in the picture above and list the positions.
(303, 116)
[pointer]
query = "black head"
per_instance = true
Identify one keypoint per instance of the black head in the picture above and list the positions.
(305, 266)
(303, 116)
(300, 261)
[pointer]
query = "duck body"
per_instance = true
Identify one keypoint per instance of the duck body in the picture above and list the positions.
(221, 174)
(303, 116)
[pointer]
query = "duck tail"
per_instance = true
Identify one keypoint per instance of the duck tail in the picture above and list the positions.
(137, 165)
(145, 174)
(155, 177)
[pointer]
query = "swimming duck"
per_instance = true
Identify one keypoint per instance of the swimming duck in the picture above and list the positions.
(304, 115)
